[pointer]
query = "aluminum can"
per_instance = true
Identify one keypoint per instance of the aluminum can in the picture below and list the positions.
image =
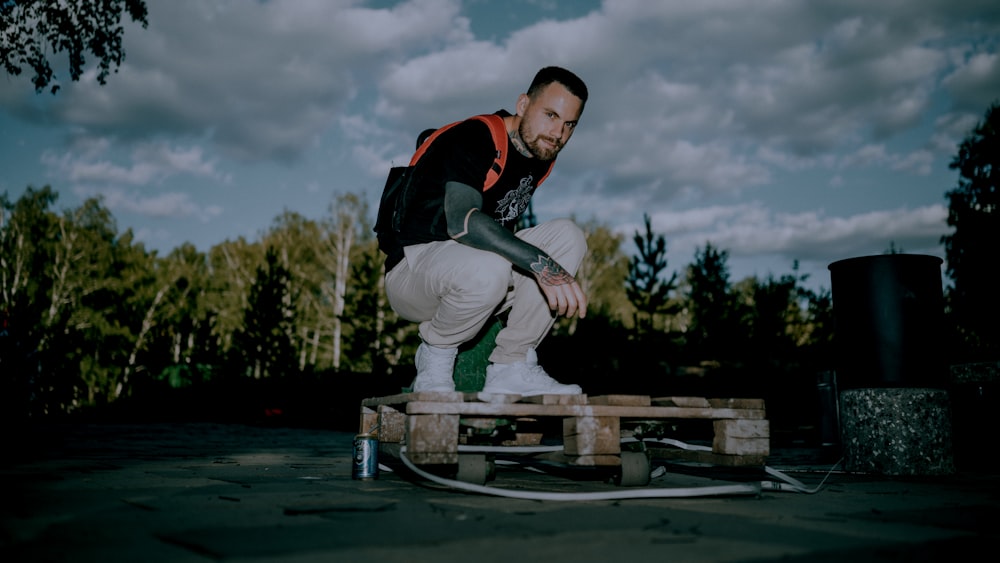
(365, 457)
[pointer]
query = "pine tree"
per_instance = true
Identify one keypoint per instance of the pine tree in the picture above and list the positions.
(971, 250)
(645, 287)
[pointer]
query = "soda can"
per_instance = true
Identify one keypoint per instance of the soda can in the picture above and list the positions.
(365, 457)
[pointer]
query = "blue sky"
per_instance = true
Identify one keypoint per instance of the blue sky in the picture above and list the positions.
(777, 130)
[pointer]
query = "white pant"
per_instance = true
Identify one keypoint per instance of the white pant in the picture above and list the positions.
(452, 290)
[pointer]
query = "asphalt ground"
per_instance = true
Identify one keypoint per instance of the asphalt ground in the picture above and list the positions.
(251, 492)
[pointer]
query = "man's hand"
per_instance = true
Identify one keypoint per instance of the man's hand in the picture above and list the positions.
(468, 226)
(565, 296)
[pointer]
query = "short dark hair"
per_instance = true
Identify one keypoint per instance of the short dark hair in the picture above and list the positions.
(551, 74)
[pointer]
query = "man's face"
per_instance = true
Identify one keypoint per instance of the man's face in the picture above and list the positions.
(548, 120)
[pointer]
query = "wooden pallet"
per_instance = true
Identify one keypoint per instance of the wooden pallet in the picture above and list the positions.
(433, 425)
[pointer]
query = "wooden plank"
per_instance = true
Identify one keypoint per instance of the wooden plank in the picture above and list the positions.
(736, 403)
(524, 439)
(391, 424)
(528, 432)
(524, 409)
(742, 428)
(502, 398)
(432, 439)
(742, 437)
(592, 435)
(694, 402)
(741, 446)
(369, 419)
(555, 400)
(403, 398)
(479, 396)
(604, 400)
(621, 400)
(397, 399)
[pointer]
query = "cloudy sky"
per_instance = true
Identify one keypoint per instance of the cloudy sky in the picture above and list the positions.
(777, 130)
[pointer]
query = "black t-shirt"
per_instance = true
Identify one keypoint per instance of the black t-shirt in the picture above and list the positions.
(465, 154)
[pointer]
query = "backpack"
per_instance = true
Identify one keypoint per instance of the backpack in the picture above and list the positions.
(399, 187)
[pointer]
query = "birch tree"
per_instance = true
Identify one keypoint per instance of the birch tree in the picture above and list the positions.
(26, 230)
(300, 246)
(346, 217)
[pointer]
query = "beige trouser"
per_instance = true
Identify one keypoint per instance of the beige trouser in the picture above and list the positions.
(452, 290)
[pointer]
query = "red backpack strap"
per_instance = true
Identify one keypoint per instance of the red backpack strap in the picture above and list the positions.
(498, 130)
(427, 142)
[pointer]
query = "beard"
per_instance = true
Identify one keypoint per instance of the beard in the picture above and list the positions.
(532, 141)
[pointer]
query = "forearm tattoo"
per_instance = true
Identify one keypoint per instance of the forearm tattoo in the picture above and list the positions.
(549, 272)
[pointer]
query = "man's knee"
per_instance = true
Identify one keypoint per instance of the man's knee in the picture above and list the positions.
(565, 242)
(571, 233)
(489, 278)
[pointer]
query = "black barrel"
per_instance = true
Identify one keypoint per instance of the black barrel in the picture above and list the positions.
(888, 314)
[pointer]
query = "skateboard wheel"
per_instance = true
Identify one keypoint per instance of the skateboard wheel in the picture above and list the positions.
(635, 470)
(475, 469)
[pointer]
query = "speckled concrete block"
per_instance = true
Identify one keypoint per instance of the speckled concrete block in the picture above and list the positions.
(897, 431)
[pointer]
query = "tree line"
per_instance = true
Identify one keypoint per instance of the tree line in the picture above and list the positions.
(90, 315)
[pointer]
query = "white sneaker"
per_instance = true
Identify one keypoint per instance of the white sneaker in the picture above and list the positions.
(435, 368)
(525, 378)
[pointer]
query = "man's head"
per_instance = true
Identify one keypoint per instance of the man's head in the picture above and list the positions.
(550, 110)
(551, 74)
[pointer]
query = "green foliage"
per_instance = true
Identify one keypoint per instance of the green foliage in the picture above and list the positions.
(27, 228)
(73, 297)
(380, 339)
(602, 271)
(970, 250)
(645, 287)
(264, 347)
(179, 376)
(35, 29)
(816, 336)
(775, 317)
(233, 265)
(715, 312)
(182, 335)
(90, 317)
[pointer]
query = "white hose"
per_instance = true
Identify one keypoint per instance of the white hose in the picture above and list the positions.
(783, 482)
(742, 489)
(790, 484)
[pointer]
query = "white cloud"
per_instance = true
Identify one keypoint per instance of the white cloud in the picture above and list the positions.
(975, 79)
(694, 105)
(753, 229)
(877, 155)
(90, 161)
(260, 79)
(175, 205)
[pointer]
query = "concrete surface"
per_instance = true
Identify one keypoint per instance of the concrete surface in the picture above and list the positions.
(195, 492)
